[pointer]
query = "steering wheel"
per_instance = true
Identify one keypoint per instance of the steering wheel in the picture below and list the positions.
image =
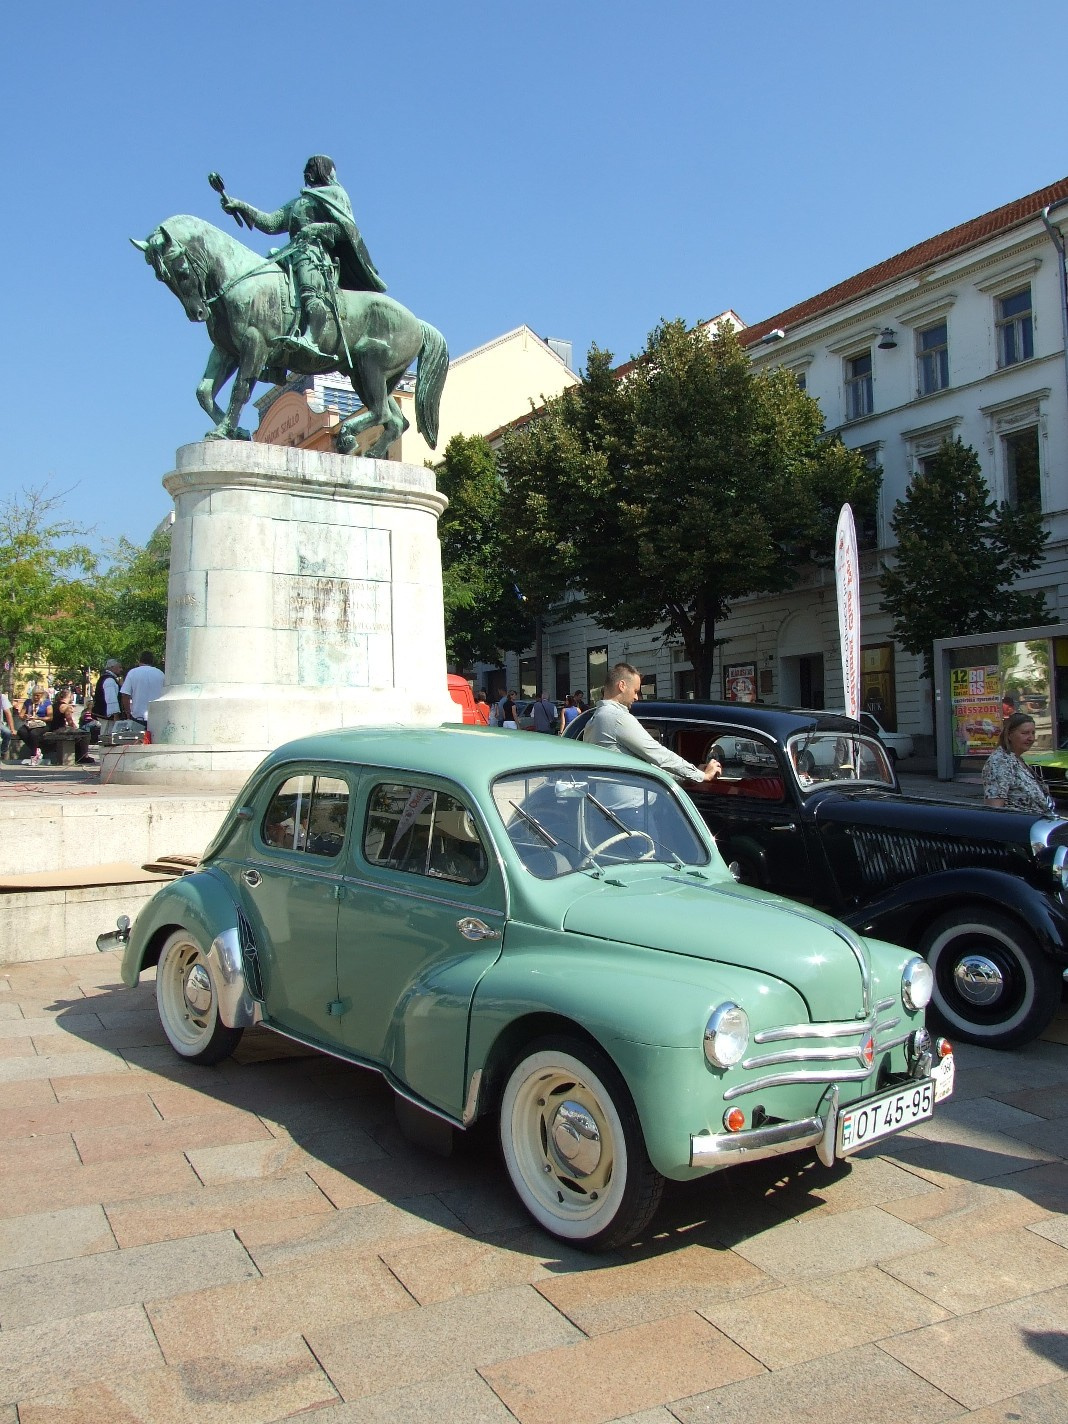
(650, 854)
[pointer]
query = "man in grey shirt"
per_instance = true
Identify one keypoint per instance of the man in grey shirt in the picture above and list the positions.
(613, 726)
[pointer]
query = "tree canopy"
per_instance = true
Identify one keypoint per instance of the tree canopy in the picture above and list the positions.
(670, 490)
(485, 611)
(958, 556)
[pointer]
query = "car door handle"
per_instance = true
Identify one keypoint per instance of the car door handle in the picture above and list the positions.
(784, 826)
(471, 928)
(251, 878)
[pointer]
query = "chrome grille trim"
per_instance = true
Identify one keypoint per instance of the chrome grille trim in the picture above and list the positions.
(778, 1080)
(884, 1004)
(806, 1055)
(894, 1042)
(847, 1029)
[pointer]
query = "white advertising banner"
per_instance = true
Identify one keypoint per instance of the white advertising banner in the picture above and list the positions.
(847, 582)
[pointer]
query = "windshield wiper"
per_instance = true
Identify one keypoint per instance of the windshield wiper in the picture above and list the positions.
(607, 814)
(549, 840)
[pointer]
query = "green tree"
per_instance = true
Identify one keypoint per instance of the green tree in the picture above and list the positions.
(484, 610)
(44, 569)
(958, 556)
(670, 489)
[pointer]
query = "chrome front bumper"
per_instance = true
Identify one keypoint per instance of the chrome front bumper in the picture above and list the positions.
(724, 1149)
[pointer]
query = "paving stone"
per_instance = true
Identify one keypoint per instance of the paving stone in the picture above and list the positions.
(341, 1188)
(975, 1122)
(227, 1208)
(472, 1331)
(848, 1185)
(71, 1024)
(450, 1266)
(968, 1211)
(945, 1161)
(1045, 1185)
(34, 1093)
(861, 1384)
(1040, 1102)
(10, 1011)
(16, 1048)
(85, 1086)
(253, 1386)
(454, 1399)
(486, 1207)
(1053, 1228)
(332, 1293)
(275, 1156)
(176, 1100)
(32, 1294)
(968, 1275)
(668, 1283)
(826, 1245)
(37, 1154)
(114, 1144)
(74, 1350)
(788, 1326)
(104, 1182)
(60, 1065)
(1046, 1405)
(981, 1358)
(54, 1236)
(282, 1245)
(49, 1117)
(621, 1372)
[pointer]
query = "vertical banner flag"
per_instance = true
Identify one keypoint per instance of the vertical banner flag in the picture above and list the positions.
(847, 581)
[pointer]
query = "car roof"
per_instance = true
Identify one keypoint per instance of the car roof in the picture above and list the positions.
(781, 722)
(459, 751)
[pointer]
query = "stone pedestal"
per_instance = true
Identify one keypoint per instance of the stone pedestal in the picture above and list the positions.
(305, 593)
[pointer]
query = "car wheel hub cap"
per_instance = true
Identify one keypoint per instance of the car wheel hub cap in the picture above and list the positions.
(979, 980)
(576, 1138)
(198, 990)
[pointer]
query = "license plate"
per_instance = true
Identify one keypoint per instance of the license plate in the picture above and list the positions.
(943, 1078)
(890, 1112)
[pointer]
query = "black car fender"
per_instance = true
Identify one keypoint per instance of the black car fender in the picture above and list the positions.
(903, 913)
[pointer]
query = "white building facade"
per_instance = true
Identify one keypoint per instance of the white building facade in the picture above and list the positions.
(963, 336)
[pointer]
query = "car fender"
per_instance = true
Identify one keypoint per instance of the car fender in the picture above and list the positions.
(202, 905)
(903, 913)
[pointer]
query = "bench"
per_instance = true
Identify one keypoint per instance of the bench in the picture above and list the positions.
(62, 745)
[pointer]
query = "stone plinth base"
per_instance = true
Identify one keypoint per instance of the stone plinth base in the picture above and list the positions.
(305, 593)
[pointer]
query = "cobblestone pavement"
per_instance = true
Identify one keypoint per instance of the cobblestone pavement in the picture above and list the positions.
(256, 1241)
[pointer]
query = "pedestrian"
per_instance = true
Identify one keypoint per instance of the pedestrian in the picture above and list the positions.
(543, 714)
(7, 726)
(506, 711)
(613, 726)
(141, 685)
(1007, 779)
(106, 708)
(568, 713)
(580, 699)
(482, 708)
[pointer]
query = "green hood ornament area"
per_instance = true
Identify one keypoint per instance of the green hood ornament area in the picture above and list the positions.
(318, 304)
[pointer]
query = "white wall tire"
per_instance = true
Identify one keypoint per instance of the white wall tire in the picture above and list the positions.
(188, 1003)
(573, 1146)
(992, 983)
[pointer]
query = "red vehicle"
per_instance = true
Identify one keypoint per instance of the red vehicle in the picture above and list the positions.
(460, 692)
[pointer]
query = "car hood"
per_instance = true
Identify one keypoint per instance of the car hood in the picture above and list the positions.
(727, 923)
(929, 815)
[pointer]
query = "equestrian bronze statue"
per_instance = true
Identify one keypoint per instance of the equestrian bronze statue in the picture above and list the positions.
(316, 305)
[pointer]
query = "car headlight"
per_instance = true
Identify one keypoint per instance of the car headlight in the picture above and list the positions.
(917, 984)
(726, 1035)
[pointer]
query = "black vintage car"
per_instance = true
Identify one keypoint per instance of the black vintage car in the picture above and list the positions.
(809, 806)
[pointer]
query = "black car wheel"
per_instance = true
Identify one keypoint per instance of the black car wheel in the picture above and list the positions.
(992, 983)
(574, 1147)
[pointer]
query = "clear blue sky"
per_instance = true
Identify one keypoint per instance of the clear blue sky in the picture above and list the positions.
(584, 167)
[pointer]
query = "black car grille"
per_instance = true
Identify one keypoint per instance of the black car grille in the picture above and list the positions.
(887, 857)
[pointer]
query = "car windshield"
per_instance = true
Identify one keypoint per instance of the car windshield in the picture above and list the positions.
(819, 758)
(569, 819)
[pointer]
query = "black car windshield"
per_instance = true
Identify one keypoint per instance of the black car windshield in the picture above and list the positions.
(569, 819)
(819, 758)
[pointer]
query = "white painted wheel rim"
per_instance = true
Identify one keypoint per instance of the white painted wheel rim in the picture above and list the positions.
(185, 997)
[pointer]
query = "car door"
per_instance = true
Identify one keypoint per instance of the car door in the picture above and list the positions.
(421, 919)
(289, 891)
(751, 808)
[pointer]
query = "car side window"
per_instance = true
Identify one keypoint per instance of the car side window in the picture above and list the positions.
(750, 766)
(307, 813)
(421, 831)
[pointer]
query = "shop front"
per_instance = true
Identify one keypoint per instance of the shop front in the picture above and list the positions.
(981, 680)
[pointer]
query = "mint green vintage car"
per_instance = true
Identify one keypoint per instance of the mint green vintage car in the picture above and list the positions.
(543, 932)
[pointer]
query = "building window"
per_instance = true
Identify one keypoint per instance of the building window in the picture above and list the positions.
(1015, 327)
(562, 675)
(1023, 484)
(858, 388)
(932, 355)
(801, 377)
(866, 518)
(596, 671)
(528, 686)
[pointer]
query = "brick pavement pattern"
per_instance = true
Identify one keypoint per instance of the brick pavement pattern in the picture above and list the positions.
(257, 1241)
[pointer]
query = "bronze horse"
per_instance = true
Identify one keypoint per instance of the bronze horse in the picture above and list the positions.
(245, 301)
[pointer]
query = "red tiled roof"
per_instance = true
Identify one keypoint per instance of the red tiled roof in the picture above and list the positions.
(957, 239)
